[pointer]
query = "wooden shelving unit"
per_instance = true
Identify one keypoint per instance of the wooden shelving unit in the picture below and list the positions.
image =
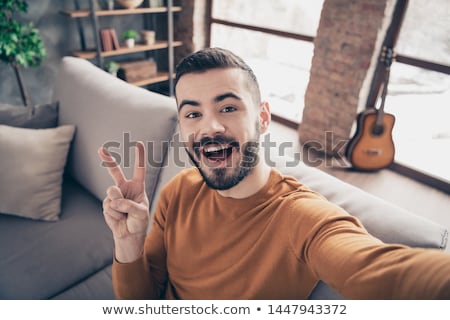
(91, 54)
(160, 77)
(115, 12)
(96, 53)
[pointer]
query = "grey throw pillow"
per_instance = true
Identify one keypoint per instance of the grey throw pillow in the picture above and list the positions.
(33, 117)
(31, 170)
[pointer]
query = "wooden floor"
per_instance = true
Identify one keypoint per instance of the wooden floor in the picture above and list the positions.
(395, 188)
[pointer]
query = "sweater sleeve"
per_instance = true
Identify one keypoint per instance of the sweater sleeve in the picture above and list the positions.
(145, 278)
(339, 251)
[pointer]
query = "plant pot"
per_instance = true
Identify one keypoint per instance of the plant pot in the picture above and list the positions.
(130, 43)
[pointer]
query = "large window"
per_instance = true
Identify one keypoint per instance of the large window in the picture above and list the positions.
(419, 89)
(275, 39)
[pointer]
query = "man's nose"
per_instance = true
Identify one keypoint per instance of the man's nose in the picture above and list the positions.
(211, 126)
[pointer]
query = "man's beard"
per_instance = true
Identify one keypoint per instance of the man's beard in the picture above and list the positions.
(219, 178)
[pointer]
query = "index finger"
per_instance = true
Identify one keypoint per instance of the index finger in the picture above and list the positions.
(113, 168)
(139, 162)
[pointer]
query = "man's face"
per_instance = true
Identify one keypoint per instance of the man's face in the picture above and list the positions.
(219, 123)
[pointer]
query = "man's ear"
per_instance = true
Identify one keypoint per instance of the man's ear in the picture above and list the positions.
(264, 116)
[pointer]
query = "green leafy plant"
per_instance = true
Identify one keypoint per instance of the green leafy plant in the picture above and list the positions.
(130, 34)
(20, 44)
(112, 67)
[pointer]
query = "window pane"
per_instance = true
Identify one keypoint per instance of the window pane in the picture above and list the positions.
(425, 32)
(419, 100)
(297, 16)
(280, 64)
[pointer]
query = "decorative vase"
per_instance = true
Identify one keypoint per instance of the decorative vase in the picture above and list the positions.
(156, 3)
(148, 36)
(130, 4)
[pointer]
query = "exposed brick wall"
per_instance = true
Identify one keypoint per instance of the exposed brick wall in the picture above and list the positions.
(346, 49)
(184, 28)
(191, 27)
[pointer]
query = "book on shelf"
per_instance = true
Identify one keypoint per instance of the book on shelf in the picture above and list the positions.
(115, 40)
(109, 39)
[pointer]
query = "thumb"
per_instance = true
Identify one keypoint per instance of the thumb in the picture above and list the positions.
(114, 193)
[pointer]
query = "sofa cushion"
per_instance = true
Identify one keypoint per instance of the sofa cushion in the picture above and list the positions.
(110, 112)
(39, 260)
(97, 287)
(31, 170)
(33, 117)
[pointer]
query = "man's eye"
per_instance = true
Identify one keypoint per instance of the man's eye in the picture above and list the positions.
(192, 115)
(228, 109)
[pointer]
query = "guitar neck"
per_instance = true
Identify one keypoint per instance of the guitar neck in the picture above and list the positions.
(387, 56)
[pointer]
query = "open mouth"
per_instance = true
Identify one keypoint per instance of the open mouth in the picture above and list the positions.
(217, 153)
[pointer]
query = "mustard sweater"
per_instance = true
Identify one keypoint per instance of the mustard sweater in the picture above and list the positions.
(275, 244)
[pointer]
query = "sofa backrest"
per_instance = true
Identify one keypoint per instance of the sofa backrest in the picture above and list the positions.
(108, 111)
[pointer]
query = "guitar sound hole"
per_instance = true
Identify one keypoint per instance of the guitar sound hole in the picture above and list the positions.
(377, 130)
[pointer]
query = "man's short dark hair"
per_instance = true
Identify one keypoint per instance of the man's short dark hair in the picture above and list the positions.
(216, 58)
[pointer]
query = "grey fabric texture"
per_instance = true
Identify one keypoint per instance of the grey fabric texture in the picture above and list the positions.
(33, 117)
(31, 170)
(97, 287)
(110, 112)
(40, 260)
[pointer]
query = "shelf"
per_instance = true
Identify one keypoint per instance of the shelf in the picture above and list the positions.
(116, 12)
(160, 77)
(91, 54)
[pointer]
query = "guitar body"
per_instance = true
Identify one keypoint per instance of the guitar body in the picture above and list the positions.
(372, 147)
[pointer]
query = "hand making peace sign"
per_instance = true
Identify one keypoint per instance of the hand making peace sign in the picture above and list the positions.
(126, 206)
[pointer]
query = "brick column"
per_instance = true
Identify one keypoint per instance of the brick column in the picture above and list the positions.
(191, 27)
(346, 49)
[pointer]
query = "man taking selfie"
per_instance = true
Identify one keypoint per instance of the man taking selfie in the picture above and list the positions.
(232, 227)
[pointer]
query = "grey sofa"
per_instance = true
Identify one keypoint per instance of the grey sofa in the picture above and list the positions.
(71, 258)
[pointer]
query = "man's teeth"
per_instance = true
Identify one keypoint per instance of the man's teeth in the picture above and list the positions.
(215, 148)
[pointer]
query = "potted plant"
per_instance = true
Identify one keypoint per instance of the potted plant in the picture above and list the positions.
(20, 44)
(130, 36)
(112, 67)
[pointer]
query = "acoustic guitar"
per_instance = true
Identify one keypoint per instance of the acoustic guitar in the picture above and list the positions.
(372, 147)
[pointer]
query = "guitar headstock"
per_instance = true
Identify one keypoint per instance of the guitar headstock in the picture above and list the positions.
(387, 55)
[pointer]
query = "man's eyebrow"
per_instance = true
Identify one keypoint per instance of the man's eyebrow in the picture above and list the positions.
(226, 95)
(217, 99)
(188, 102)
